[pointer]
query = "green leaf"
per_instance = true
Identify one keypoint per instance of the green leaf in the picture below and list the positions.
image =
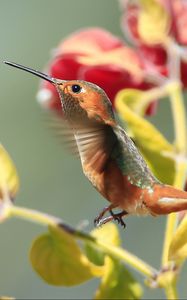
(178, 247)
(57, 258)
(153, 22)
(134, 100)
(118, 283)
(109, 234)
(9, 180)
(157, 151)
(162, 166)
(6, 298)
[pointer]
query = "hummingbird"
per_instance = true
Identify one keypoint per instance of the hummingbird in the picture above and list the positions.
(109, 157)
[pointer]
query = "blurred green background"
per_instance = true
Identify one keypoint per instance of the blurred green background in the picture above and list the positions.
(51, 179)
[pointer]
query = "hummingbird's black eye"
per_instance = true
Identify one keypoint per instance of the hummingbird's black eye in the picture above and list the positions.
(76, 88)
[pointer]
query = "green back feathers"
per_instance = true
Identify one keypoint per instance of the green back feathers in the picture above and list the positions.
(130, 161)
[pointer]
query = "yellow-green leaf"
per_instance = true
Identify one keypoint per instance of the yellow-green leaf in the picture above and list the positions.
(6, 298)
(178, 247)
(117, 282)
(134, 99)
(109, 234)
(9, 180)
(57, 258)
(153, 22)
(157, 151)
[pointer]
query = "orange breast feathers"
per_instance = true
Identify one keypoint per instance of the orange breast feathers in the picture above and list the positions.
(116, 188)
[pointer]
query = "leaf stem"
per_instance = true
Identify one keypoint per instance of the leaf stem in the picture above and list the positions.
(32, 215)
(167, 89)
(173, 218)
(130, 259)
(170, 228)
(171, 291)
(179, 116)
(119, 253)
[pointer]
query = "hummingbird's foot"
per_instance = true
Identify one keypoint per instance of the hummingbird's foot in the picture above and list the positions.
(103, 221)
(99, 220)
(118, 217)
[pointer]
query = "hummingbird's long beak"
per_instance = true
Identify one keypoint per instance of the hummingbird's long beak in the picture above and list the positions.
(35, 72)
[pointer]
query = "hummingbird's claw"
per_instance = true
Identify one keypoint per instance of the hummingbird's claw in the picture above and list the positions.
(118, 217)
(99, 220)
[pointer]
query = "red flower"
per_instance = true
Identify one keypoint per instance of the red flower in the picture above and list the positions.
(155, 56)
(177, 10)
(97, 56)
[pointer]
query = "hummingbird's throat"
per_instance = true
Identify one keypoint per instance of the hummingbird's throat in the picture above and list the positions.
(72, 109)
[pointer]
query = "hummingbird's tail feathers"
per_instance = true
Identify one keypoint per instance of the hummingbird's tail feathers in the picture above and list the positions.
(167, 199)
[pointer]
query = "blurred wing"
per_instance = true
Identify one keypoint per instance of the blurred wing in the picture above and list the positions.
(61, 129)
(95, 144)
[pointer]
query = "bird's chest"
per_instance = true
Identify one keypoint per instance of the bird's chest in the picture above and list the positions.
(118, 190)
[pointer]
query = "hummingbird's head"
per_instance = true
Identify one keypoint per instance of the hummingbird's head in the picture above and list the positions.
(82, 101)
